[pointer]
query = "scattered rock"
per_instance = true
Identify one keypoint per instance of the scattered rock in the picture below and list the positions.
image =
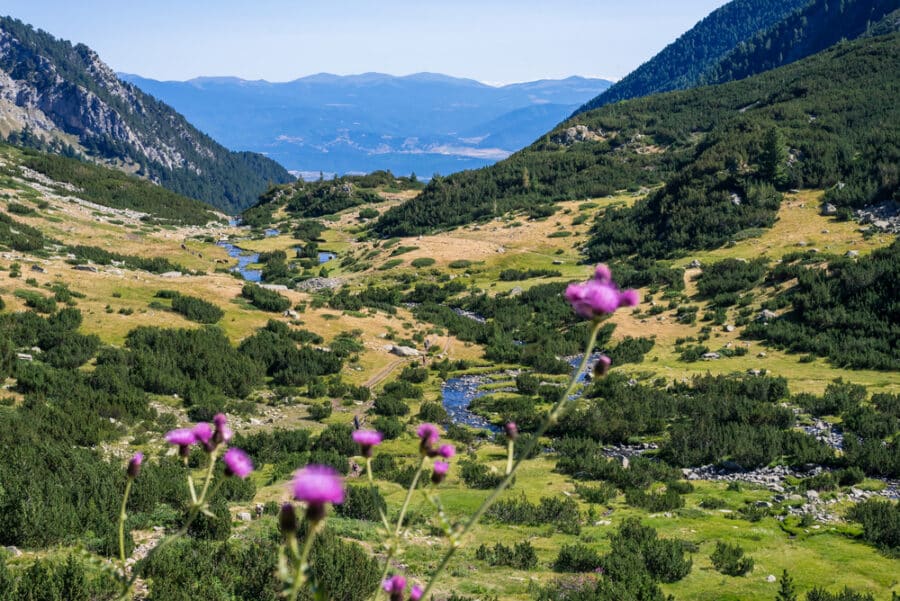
(317, 284)
(292, 314)
(89, 268)
(852, 254)
(695, 264)
(771, 578)
(277, 287)
(711, 356)
(171, 274)
(244, 516)
(729, 328)
(829, 209)
(766, 315)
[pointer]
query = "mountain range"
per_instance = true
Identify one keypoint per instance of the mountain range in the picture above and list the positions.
(422, 123)
(61, 97)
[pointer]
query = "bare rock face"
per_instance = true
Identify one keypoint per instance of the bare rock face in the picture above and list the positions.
(577, 133)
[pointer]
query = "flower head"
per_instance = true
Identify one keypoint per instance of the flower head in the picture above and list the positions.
(629, 298)
(367, 439)
(237, 463)
(429, 434)
(415, 593)
(599, 295)
(602, 365)
(511, 430)
(182, 437)
(440, 471)
(394, 586)
(602, 273)
(219, 420)
(203, 432)
(317, 485)
(447, 451)
(134, 466)
(222, 432)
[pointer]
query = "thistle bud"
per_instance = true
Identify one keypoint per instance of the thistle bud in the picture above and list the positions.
(287, 520)
(134, 466)
(602, 366)
(512, 430)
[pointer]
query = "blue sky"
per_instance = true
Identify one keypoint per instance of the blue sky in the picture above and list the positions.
(496, 41)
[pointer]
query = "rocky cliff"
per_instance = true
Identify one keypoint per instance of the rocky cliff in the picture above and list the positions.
(62, 97)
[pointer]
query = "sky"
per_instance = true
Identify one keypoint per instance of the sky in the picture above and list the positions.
(494, 41)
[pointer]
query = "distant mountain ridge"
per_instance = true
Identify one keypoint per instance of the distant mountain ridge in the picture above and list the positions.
(747, 37)
(61, 97)
(423, 122)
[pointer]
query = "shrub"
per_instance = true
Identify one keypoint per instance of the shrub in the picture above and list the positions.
(521, 556)
(320, 411)
(729, 559)
(197, 309)
(576, 558)
(362, 503)
(433, 412)
(478, 475)
(422, 262)
(264, 299)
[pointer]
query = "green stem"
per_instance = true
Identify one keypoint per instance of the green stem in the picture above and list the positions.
(554, 415)
(122, 518)
(409, 494)
(510, 453)
(192, 515)
(302, 566)
(393, 544)
(384, 519)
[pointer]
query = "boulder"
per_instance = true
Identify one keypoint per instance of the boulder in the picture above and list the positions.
(829, 209)
(404, 351)
(766, 315)
(244, 516)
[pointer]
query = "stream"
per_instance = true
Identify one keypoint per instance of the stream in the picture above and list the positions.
(245, 258)
(457, 393)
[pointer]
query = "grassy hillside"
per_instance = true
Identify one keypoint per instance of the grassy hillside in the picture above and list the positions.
(707, 143)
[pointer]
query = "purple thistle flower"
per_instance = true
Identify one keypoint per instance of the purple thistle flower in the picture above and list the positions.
(602, 366)
(204, 432)
(599, 295)
(512, 430)
(592, 298)
(317, 485)
(222, 432)
(629, 298)
(182, 437)
(367, 439)
(447, 451)
(429, 434)
(415, 593)
(440, 471)
(602, 273)
(394, 586)
(237, 463)
(134, 466)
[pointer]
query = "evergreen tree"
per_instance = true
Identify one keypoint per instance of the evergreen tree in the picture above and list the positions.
(786, 590)
(773, 161)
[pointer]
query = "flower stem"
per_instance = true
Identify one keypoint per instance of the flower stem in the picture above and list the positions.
(384, 519)
(302, 560)
(194, 511)
(551, 419)
(409, 494)
(122, 517)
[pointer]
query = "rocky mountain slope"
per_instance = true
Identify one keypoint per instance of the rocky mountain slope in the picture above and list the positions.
(63, 98)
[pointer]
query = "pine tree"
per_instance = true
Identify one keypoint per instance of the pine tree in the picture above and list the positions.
(786, 590)
(773, 161)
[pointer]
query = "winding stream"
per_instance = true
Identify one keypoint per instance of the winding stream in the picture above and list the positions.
(458, 393)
